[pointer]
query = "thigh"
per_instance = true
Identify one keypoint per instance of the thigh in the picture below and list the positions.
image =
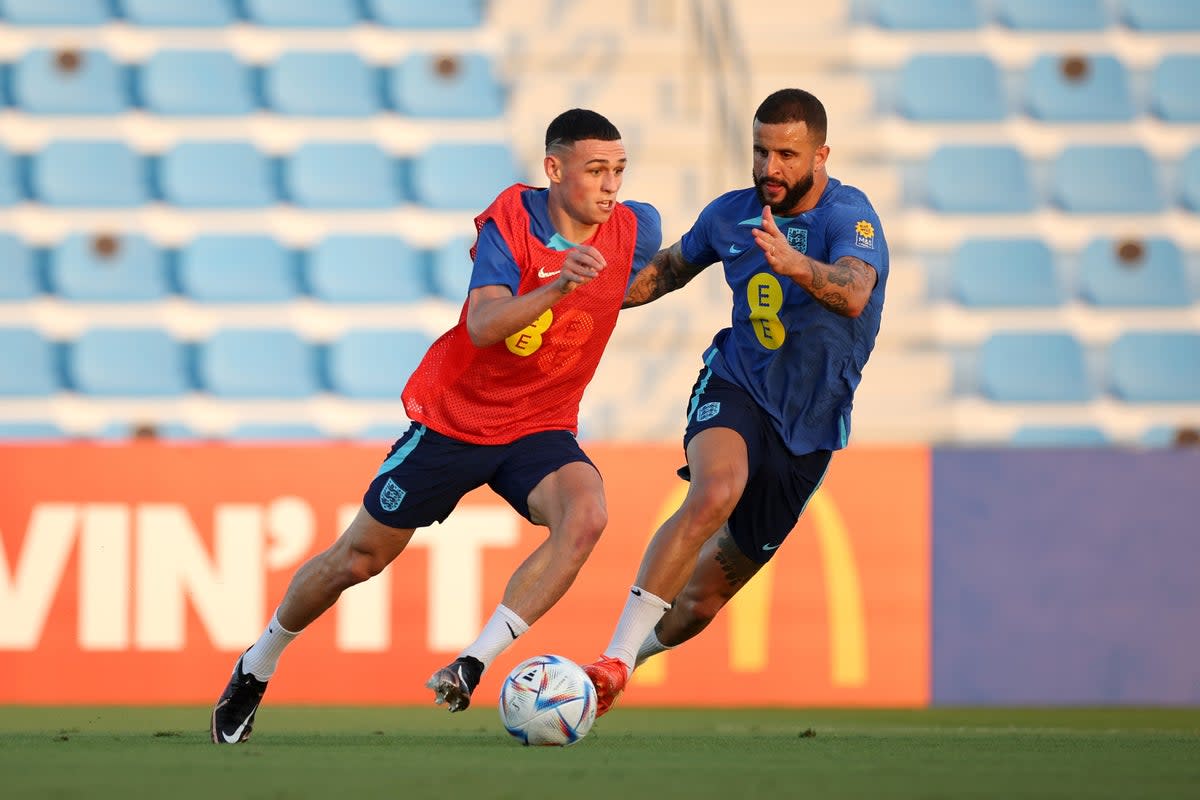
(572, 487)
(527, 463)
(774, 499)
(424, 477)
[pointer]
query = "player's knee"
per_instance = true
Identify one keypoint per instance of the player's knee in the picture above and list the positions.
(583, 530)
(361, 565)
(708, 506)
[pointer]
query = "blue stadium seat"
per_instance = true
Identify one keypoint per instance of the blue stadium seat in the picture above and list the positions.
(302, 13)
(462, 175)
(1156, 366)
(926, 14)
(128, 362)
(1168, 16)
(197, 82)
(40, 372)
(258, 363)
(375, 363)
(123, 430)
(217, 175)
(366, 269)
(237, 269)
(70, 82)
(986, 179)
(997, 273)
(322, 85)
(1150, 273)
(1106, 179)
(951, 87)
(18, 270)
(423, 14)
(108, 269)
(1173, 88)
(1079, 89)
(30, 431)
(1059, 436)
(1057, 15)
(450, 269)
(1034, 367)
(55, 12)
(275, 432)
(10, 179)
(89, 174)
(343, 175)
(449, 86)
(180, 13)
(1189, 176)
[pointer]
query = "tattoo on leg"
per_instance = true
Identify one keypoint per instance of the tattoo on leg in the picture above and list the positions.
(733, 563)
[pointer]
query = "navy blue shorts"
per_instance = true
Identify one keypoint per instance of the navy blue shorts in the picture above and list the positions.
(427, 473)
(778, 485)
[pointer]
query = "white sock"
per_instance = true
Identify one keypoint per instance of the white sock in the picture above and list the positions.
(263, 656)
(501, 631)
(642, 612)
(651, 647)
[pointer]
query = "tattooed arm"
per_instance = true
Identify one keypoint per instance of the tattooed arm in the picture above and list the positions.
(844, 287)
(666, 272)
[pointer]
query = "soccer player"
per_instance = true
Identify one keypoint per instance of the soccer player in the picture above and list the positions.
(494, 401)
(807, 262)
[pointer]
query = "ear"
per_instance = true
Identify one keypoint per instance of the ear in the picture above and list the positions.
(820, 157)
(553, 166)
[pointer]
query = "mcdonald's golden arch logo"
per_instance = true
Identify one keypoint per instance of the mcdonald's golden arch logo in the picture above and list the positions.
(749, 610)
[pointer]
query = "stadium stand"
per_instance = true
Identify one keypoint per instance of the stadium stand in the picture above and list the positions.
(179, 13)
(127, 362)
(979, 179)
(89, 174)
(1006, 272)
(1079, 89)
(237, 269)
(229, 174)
(342, 175)
(18, 271)
(70, 82)
(1134, 273)
(40, 373)
(56, 12)
(322, 85)
(111, 269)
(952, 87)
(366, 269)
(1034, 367)
(255, 363)
(196, 83)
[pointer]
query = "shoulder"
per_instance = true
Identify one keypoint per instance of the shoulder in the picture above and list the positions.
(849, 200)
(644, 212)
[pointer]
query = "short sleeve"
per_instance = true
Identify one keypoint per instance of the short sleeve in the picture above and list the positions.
(649, 232)
(854, 230)
(494, 262)
(696, 245)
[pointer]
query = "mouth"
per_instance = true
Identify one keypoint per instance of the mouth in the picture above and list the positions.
(606, 205)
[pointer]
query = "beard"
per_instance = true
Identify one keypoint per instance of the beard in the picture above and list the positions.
(792, 195)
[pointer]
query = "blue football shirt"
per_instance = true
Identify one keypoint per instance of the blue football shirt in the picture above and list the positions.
(494, 262)
(799, 361)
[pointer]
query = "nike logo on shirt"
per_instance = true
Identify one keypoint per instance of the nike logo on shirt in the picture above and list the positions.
(734, 249)
(543, 274)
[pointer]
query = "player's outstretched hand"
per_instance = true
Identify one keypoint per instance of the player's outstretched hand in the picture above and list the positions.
(583, 263)
(780, 255)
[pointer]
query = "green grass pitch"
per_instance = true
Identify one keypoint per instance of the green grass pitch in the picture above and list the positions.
(411, 753)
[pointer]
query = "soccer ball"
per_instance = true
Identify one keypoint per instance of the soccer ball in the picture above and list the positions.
(547, 700)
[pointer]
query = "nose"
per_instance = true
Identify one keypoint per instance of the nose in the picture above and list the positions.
(611, 183)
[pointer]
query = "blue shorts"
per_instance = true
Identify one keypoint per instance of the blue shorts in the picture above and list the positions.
(427, 473)
(778, 484)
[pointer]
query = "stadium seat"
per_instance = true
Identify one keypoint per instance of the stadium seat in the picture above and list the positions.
(237, 269)
(343, 175)
(375, 363)
(320, 84)
(996, 273)
(366, 269)
(257, 363)
(1156, 366)
(10, 179)
(926, 14)
(1078, 89)
(39, 374)
(1034, 367)
(462, 175)
(18, 270)
(1151, 273)
(128, 362)
(30, 431)
(1173, 88)
(108, 269)
(69, 82)
(423, 14)
(196, 82)
(180, 13)
(1057, 15)
(89, 174)
(1168, 16)
(987, 179)
(450, 270)
(302, 13)
(122, 430)
(1189, 176)
(275, 432)
(1059, 436)
(449, 86)
(55, 12)
(951, 87)
(217, 175)
(1106, 179)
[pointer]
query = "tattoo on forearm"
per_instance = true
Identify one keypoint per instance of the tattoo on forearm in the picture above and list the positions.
(847, 272)
(666, 272)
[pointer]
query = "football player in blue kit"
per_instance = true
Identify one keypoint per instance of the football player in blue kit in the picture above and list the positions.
(806, 259)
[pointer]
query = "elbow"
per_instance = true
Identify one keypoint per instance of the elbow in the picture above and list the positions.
(479, 335)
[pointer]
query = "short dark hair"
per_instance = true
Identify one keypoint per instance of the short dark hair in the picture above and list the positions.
(577, 124)
(795, 105)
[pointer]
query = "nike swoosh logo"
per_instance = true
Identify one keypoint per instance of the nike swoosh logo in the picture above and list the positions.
(769, 547)
(543, 274)
(636, 592)
(735, 250)
(237, 733)
(510, 630)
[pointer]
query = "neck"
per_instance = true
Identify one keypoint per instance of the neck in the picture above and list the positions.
(812, 196)
(567, 226)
